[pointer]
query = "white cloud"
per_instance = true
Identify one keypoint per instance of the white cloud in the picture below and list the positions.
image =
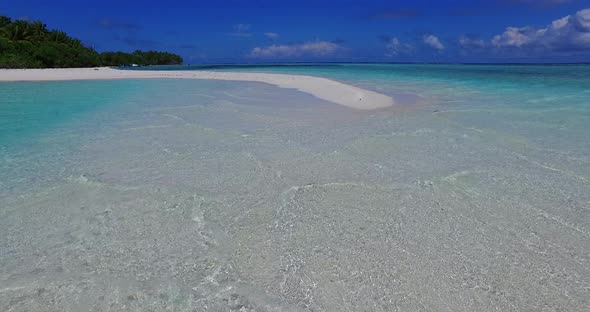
(271, 35)
(395, 47)
(241, 30)
(570, 33)
(433, 42)
(514, 37)
(310, 48)
(471, 43)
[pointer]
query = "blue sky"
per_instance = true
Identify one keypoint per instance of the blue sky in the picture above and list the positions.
(215, 31)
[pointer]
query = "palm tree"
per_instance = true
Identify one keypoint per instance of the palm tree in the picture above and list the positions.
(37, 30)
(18, 30)
(58, 36)
(5, 21)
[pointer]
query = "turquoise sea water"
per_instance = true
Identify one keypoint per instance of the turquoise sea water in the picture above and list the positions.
(546, 104)
(565, 78)
(547, 96)
(471, 194)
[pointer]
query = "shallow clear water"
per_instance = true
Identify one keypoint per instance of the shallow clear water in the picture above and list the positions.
(471, 195)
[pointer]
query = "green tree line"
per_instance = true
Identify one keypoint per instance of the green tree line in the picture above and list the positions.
(25, 44)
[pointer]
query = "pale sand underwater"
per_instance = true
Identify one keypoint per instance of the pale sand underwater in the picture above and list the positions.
(202, 195)
(322, 88)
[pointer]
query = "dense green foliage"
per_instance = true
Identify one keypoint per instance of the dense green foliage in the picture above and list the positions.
(139, 57)
(26, 44)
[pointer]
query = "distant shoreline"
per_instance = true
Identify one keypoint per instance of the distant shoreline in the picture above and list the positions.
(322, 88)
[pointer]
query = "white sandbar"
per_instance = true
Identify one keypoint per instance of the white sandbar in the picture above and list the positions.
(325, 89)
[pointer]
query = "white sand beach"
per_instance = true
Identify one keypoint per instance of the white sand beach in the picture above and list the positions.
(325, 89)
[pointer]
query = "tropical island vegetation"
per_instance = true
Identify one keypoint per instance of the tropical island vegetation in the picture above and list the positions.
(25, 44)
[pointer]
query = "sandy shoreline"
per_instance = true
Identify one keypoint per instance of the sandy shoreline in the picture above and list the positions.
(325, 89)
